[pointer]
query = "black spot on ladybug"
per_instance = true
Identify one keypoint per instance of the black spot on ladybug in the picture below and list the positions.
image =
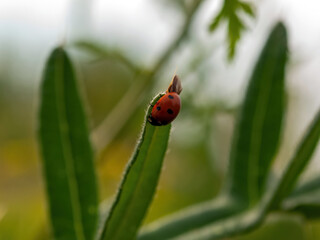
(158, 108)
(169, 111)
(171, 97)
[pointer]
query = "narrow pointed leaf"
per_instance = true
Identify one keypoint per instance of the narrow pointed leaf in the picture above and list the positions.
(297, 164)
(247, 8)
(235, 28)
(189, 219)
(257, 135)
(305, 198)
(66, 153)
(139, 183)
(230, 12)
(103, 52)
(239, 223)
(307, 186)
(216, 22)
(307, 204)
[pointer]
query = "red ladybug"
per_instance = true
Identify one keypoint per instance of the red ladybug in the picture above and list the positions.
(167, 107)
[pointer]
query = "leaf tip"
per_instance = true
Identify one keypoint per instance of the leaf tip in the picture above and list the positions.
(280, 30)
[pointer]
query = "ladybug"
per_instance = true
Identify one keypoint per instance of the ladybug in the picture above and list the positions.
(168, 106)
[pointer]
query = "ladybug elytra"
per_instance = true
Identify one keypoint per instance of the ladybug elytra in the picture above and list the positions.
(168, 106)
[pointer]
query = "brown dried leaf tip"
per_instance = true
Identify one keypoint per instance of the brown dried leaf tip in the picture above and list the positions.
(175, 85)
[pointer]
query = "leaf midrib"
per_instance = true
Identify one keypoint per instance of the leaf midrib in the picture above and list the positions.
(253, 176)
(66, 146)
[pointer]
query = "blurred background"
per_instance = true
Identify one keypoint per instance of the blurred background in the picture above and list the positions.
(125, 52)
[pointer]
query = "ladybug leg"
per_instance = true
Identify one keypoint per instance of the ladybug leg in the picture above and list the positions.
(153, 121)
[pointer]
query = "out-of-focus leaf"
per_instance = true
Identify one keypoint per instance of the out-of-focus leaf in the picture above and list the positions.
(236, 224)
(247, 8)
(102, 52)
(230, 12)
(235, 28)
(297, 164)
(258, 132)
(307, 204)
(189, 219)
(139, 182)
(66, 153)
(305, 198)
(216, 21)
(310, 185)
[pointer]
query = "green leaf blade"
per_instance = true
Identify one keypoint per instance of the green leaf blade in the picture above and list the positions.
(307, 186)
(235, 28)
(226, 228)
(231, 14)
(66, 151)
(189, 219)
(247, 8)
(139, 183)
(307, 204)
(216, 21)
(297, 163)
(260, 122)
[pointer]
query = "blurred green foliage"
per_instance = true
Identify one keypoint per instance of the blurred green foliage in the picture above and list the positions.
(231, 12)
(106, 79)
